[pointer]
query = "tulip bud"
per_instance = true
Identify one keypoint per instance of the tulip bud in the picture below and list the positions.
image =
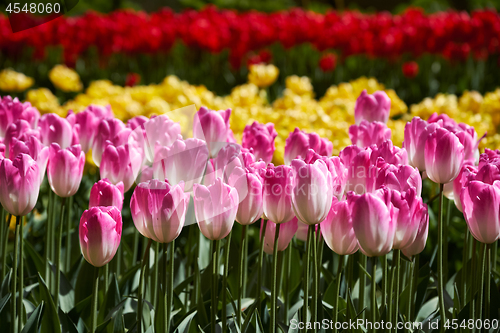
(337, 229)
(481, 205)
(215, 208)
(104, 193)
(298, 143)
(373, 223)
(260, 138)
(159, 210)
(54, 129)
(312, 193)
(19, 184)
(366, 134)
(287, 230)
(212, 127)
(65, 169)
(277, 200)
(100, 234)
(444, 155)
(416, 133)
(372, 108)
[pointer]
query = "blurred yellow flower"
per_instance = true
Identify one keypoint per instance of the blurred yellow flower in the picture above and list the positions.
(65, 78)
(12, 81)
(45, 101)
(263, 75)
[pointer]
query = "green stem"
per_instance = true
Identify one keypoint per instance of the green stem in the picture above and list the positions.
(494, 249)
(362, 285)
(145, 259)
(337, 292)
(58, 254)
(106, 278)
(396, 294)
(135, 249)
(48, 237)
(442, 310)
(5, 225)
(245, 264)
(215, 273)
(52, 240)
(415, 286)
(488, 281)
(391, 286)
(383, 260)
(155, 282)
(306, 277)
(68, 234)
(465, 260)
(241, 267)
(315, 291)
(224, 281)
(261, 262)
(95, 291)
(21, 273)
(445, 241)
(410, 287)
(14, 278)
(2, 235)
(170, 284)
(373, 309)
(481, 282)
(472, 282)
(166, 270)
(286, 287)
(274, 295)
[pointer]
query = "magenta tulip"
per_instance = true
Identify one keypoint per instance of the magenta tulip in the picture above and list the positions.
(416, 133)
(215, 208)
(212, 127)
(65, 169)
(260, 138)
(400, 178)
(361, 173)
(159, 210)
(19, 130)
(481, 205)
(337, 229)
(373, 222)
(287, 231)
(184, 161)
(86, 124)
(137, 121)
(248, 184)
(312, 193)
(418, 244)
(109, 131)
(299, 142)
(19, 184)
(12, 110)
(100, 234)
(444, 155)
(467, 174)
(159, 132)
(278, 186)
(366, 134)
(375, 107)
(54, 129)
(104, 193)
(33, 147)
(116, 166)
(389, 153)
(223, 164)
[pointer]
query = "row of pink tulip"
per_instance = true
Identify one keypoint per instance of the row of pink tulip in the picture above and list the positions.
(369, 197)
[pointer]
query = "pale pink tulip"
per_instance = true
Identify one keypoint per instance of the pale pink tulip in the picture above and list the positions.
(366, 134)
(109, 131)
(375, 107)
(278, 187)
(416, 133)
(65, 169)
(116, 166)
(444, 155)
(337, 229)
(12, 110)
(418, 244)
(104, 193)
(54, 129)
(299, 142)
(250, 194)
(212, 127)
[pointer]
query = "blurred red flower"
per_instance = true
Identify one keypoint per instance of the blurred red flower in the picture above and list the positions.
(328, 62)
(410, 69)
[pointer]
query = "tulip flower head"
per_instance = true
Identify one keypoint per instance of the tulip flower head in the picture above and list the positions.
(299, 142)
(416, 133)
(54, 129)
(212, 127)
(12, 110)
(117, 166)
(104, 193)
(337, 229)
(366, 134)
(65, 169)
(215, 208)
(248, 184)
(260, 138)
(100, 234)
(277, 186)
(418, 244)
(375, 107)
(109, 131)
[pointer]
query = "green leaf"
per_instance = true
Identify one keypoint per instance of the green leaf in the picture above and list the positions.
(33, 322)
(83, 286)
(4, 301)
(50, 321)
(112, 303)
(184, 325)
(37, 259)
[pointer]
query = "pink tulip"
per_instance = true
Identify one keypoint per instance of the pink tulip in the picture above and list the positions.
(65, 169)
(184, 161)
(443, 120)
(278, 186)
(260, 138)
(137, 121)
(337, 229)
(467, 174)
(20, 130)
(54, 129)
(287, 230)
(212, 127)
(312, 194)
(109, 131)
(373, 223)
(116, 166)
(248, 184)
(12, 110)
(86, 122)
(444, 155)
(33, 147)
(418, 244)
(159, 210)
(299, 142)
(159, 132)
(481, 205)
(302, 230)
(372, 108)
(223, 164)
(469, 139)
(104, 193)
(247, 158)
(389, 153)
(400, 178)
(361, 173)
(366, 134)
(336, 168)
(19, 184)
(416, 133)
(215, 208)
(100, 234)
